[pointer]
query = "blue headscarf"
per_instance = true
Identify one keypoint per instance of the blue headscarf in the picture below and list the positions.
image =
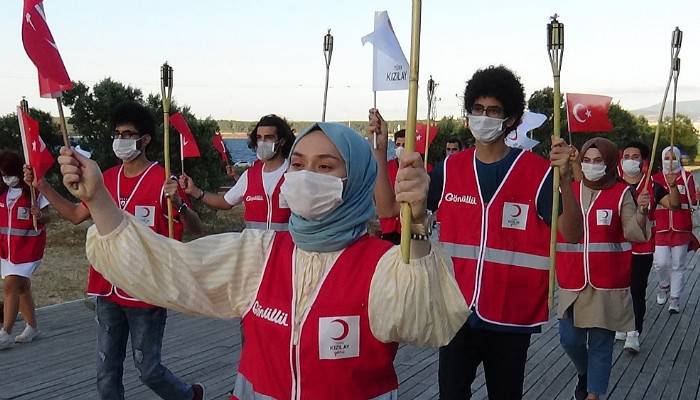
(347, 223)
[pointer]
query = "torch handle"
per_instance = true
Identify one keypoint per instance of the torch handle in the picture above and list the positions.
(32, 193)
(555, 195)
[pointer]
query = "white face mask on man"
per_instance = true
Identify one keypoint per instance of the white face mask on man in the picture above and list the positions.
(311, 195)
(125, 149)
(593, 172)
(631, 167)
(11, 181)
(486, 129)
(265, 150)
(398, 150)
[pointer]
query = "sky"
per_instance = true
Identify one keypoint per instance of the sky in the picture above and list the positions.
(237, 59)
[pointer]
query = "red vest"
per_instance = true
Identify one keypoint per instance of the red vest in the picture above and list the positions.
(648, 246)
(604, 259)
(261, 210)
(678, 220)
(143, 198)
(390, 225)
(335, 356)
(19, 242)
(500, 250)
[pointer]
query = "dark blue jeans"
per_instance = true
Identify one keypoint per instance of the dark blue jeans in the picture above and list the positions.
(591, 351)
(146, 326)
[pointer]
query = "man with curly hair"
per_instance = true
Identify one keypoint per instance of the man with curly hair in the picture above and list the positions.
(494, 204)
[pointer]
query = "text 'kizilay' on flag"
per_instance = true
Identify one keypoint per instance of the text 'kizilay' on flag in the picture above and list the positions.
(36, 153)
(588, 113)
(42, 50)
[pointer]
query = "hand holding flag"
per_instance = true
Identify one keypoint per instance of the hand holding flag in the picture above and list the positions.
(36, 153)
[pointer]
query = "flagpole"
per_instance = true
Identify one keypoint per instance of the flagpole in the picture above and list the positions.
(182, 155)
(374, 146)
(676, 40)
(555, 49)
(166, 89)
(24, 107)
(431, 95)
(327, 53)
(411, 116)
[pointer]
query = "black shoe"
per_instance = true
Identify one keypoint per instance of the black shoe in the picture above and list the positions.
(581, 391)
(199, 391)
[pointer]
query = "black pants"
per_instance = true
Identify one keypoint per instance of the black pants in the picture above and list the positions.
(503, 355)
(641, 266)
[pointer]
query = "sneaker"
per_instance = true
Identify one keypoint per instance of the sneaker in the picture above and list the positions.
(632, 342)
(620, 335)
(674, 306)
(199, 391)
(28, 334)
(662, 296)
(5, 340)
(581, 391)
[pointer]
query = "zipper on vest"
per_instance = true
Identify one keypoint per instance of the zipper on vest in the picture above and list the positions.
(269, 210)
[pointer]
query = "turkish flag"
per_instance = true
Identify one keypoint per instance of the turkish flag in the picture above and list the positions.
(421, 136)
(42, 50)
(588, 112)
(188, 146)
(35, 151)
(218, 142)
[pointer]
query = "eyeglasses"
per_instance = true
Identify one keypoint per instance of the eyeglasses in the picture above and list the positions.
(125, 134)
(490, 111)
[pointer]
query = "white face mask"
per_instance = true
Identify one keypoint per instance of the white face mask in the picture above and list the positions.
(670, 166)
(11, 181)
(631, 167)
(265, 150)
(311, 195)
(125, 149)
(397, 151)
(593, 172)
(485, 129)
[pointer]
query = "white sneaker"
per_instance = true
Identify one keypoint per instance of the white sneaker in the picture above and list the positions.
(620, 335)
(5, 340)
(632, 342)
(674, 306)
(662, 297)
(27, 335)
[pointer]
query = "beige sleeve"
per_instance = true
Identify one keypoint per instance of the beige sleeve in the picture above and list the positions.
(216, 276)
(633, 220)
(416, 303)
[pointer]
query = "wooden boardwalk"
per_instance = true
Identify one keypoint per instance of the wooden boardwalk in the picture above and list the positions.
(61, 364)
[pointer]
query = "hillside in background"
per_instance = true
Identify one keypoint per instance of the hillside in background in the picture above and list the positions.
(688, 108)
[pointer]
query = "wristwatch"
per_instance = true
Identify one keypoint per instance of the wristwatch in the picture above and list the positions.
(182, 208)
(422, 231)
(201, 194)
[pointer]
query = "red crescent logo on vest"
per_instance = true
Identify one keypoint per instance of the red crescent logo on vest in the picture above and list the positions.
(606, 213)
(519, 210)
(346, 329)
(147, 212)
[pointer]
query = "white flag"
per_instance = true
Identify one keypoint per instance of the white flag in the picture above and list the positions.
(390, 64)
(518, 138)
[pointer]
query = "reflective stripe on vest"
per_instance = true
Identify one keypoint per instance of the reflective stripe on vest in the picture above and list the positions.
(683, 207)
(274, 226)
(510, 258)
(594, 247)
(20, 232)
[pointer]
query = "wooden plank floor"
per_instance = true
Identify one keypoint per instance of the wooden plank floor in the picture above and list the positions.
(60, 365)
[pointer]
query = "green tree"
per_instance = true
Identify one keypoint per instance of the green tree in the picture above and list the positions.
(686, 137)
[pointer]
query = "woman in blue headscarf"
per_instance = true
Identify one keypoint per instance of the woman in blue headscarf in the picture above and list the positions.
(324, 305)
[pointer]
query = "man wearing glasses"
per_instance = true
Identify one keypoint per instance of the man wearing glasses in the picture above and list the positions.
(494, 204)
(136, 185)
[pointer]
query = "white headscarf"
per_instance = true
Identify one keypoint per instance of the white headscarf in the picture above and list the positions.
(677, 164)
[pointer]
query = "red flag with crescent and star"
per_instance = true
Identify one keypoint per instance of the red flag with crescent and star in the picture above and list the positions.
(421, 136)
(188, 146)
(35, 151)
(588, 113)
(218, 142)
(42, 50)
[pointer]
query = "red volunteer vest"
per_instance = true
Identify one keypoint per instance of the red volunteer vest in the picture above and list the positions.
(604, 259)
(335, 356)
(390, 225)
(678, 220)
(145, 201)
(262, 211)
(500, 250)
(648, 246)
(19, 242)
